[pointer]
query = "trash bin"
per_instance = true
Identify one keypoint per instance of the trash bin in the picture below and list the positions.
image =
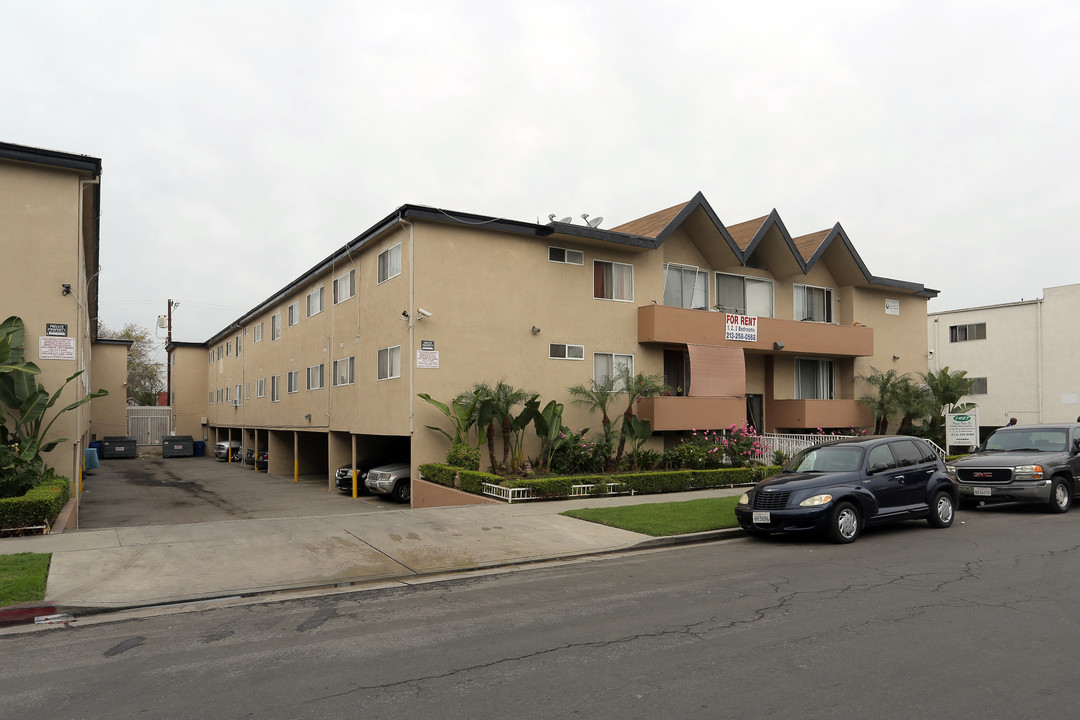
(199, 448)
(96, 444)
(114, 448)
(177, 446)
(92, 459)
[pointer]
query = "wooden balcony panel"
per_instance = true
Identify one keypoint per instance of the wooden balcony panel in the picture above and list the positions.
(816, 414)
(685, 413)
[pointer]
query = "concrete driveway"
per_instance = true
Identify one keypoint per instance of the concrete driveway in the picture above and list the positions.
(174, 491)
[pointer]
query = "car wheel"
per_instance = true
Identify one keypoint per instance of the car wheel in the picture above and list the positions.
(844, 523)
(1060, 496)
(942, 510)
(402, 491)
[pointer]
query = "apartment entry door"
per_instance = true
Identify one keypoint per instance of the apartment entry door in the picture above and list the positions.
(755, 412)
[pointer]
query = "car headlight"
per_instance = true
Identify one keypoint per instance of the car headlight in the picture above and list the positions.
(744, 499)
(816, 500)
(1028, 472)
(951, 469)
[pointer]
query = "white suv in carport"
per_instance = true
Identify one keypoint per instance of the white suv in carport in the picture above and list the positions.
(390, 480)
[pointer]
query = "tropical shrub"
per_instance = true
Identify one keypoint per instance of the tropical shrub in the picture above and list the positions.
(463, 456)
(38, 506)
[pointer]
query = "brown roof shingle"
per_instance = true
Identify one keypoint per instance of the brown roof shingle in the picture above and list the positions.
(651, 225)
(742, 233)
(808, 244)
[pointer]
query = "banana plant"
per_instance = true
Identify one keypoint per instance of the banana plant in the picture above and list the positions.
(550, 430)
(518, 424)
(638, 431)
(462, 414)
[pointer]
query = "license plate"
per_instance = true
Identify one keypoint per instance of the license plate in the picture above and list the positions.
(982, 492)
(762, 518)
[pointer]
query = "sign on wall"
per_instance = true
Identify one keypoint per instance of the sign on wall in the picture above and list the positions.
(892, 307)
(427, 359)
(740, 327)
(56, 329)
(56, 348)
(962, 429)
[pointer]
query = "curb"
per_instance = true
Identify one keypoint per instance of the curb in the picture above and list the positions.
(24, 613)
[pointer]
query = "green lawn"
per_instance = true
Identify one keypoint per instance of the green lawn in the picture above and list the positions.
(22, 577)
(670, 518)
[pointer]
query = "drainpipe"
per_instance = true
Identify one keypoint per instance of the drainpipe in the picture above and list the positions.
(1038, 357)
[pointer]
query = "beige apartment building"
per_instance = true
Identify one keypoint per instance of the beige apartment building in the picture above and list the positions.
(745, 322)
(49, 208)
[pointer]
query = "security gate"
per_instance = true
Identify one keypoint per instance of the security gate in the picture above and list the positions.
(149, 424)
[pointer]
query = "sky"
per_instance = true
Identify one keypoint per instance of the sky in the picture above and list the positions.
(243, 141)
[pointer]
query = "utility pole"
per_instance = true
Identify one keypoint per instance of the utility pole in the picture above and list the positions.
(168, 353)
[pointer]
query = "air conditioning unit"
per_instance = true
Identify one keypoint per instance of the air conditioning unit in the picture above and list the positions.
(236, 402)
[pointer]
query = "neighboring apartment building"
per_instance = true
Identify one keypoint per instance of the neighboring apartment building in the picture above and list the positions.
(1019, 355)
(49, 208)
(433, 301)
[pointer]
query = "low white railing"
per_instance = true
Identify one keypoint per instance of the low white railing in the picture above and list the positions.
(584, 490)
(508, 494)
(792, 444)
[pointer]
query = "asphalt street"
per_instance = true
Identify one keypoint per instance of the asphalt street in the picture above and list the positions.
(981, 620)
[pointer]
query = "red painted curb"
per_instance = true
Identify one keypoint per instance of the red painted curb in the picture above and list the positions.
(24, 613)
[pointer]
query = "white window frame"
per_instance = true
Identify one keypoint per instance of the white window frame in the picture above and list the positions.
(293, 315)
(315, 304)
(247, 390)
(237, 346)
(613, 265)
(744, 308)
(292, 382)
(390, 267)
(236, 393)
(228, 349)
(349, 366)
(967, 332)
(316, 377)
(275, 388)
(260, 388)
(822, 387)
(275, 326)
(387, 358)
(211, 357)
(699, 276)
(257, 333)
(346, 281)
(227, 394)
(620, 358)
(210, 399)
(554, 252)
(566, 351)
(829, 299)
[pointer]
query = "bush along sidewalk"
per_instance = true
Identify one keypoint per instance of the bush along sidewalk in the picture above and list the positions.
(35, 510)
(551, 488)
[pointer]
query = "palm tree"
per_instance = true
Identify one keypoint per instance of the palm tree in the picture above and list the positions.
(915, 403)
(499, 402)
(946, 387)
(596, 396)
(883, 400)
(636, 387)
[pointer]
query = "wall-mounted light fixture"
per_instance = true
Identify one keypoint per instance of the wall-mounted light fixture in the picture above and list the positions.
(778, 346)
(308, 417)
(65, 288)
(895, 358)
(405, 314)
(535, 330)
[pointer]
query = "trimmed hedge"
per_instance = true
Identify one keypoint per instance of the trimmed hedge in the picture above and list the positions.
(39, 506)
(661, 481)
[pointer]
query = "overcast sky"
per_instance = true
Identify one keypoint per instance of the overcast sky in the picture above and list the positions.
(242, 142)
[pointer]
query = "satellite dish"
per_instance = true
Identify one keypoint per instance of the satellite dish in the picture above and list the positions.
(595, 221)
(567, 219)
(551, 217)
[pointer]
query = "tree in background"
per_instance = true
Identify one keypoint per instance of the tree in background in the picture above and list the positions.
(144, 374)
(883, 398)
(946, 387)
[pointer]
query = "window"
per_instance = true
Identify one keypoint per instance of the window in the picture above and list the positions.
(226, 394)
(315, 302)
(294, 381)
(813, 379)
(813, 303)
(343, 371)
(238, 346)
(345, 287)
(220, 351)
(390, 362)
(236, 392)
(275, 326)
(686, 287)
(211, 357)
(390, 263)
(562, 255)
(257, 334)
(880, 455)
(228, 349)
(275, 388)
(743, 295)
(260, 388)
(608, 365)
(247, 390)
(963, 333)
(978, 386)
(220, 395)
(211, 398)
(559, 351)
(316, 377)
(613, 281)
(294, 313)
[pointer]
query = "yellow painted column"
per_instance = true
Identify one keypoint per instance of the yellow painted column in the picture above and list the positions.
(296, 456)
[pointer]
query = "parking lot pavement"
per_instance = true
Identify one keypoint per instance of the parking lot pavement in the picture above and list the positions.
(174, 491)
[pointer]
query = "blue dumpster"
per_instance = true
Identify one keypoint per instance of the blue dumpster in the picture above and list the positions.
(92, 458)
(199, 446)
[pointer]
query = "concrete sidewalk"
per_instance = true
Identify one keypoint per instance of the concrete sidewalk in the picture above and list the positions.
(109, 569)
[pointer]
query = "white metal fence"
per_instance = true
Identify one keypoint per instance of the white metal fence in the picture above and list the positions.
(149, 424)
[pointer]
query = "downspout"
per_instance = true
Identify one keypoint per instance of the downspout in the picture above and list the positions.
(84, 320)
(1038, 356)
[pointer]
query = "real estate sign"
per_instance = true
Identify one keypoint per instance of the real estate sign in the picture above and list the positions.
(962, 429)
(740, 327)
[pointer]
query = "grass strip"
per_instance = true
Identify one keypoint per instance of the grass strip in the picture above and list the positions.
(22, 577)
(662, 519)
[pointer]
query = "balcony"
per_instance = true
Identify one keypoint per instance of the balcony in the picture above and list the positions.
(685, 413)
(816, 414)
(662, 324)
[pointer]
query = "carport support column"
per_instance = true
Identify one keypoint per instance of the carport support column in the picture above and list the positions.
(295, 457)
(352, 441)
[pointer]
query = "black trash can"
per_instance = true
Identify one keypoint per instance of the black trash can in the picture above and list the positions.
(173, 446)
(199, 446)
(119, 448)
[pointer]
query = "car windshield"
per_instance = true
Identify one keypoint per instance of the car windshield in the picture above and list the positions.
(832, 458)
(1042, 440)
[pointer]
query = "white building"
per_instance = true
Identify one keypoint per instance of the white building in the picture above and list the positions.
(1021, 356)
